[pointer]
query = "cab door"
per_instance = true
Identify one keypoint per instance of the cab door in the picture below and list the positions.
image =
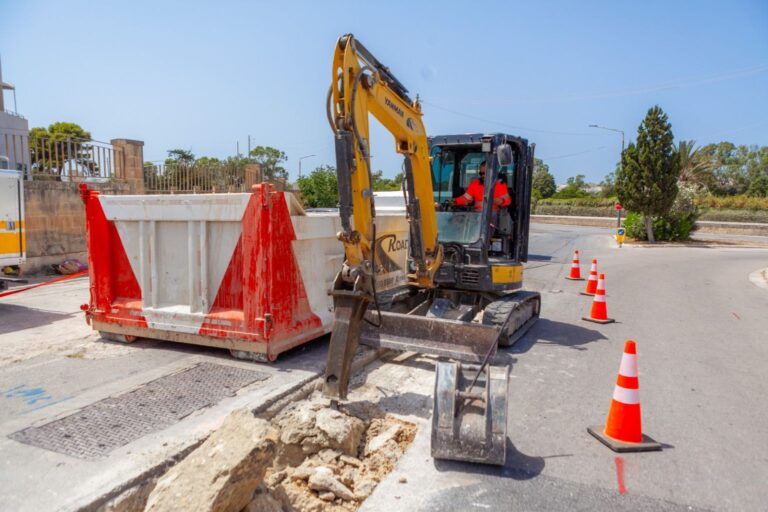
(523, 183)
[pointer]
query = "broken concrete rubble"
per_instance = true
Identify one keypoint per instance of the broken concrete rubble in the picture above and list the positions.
(222, 473)
(310, 458)
(334, 461)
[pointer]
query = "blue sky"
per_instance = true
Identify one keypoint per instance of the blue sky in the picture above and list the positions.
(204, 75)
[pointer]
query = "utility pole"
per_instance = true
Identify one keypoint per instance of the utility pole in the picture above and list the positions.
(621, 165)
(249, 147)
(302, 158)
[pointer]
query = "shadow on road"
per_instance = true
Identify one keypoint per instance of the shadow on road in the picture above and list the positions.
(519, 466)
(552, 332)
(17, 318)
(309, 356)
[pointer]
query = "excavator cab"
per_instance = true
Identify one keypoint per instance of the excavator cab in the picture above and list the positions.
(482, 246)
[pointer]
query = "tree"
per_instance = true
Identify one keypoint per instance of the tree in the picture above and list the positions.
(381, 184)
(695, 166)
(647, 182)
(270, 160)
(608, 185)
(575, 187)
(61, 147)
(180, 156)
(319, 189)
(543, 181)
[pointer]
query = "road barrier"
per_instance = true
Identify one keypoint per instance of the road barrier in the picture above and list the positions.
(246, 272)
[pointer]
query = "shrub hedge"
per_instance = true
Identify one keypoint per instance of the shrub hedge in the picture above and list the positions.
(720, 209)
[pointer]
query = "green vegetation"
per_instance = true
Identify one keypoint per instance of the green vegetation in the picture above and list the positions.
(52, 155)
(270, 160)
(647, 181)
(319, 189)
(382, 184)
(543, 182)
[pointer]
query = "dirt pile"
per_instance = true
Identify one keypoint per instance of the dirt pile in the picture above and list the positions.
(331, 460)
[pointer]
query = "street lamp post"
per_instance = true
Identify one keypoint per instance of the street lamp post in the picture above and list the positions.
(621, 165)
(612, 130)
(302, 158)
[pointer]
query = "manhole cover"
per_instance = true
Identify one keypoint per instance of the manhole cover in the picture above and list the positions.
(99, 428)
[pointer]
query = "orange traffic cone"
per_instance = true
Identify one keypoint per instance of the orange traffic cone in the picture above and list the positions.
(599, 312)
(575, 274)
(623, 430)
(592, 281)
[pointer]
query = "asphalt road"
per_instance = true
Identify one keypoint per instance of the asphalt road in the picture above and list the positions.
(701, 329)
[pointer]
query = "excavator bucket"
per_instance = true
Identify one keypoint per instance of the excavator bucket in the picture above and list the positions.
(463, 341)
(469, 416)
(469, 422)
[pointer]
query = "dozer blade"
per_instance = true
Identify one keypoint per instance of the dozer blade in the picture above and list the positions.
(470, 424)
(462, 341)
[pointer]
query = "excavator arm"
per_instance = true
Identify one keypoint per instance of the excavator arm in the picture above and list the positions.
(360, 86)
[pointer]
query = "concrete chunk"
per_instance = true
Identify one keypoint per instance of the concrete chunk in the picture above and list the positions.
(222, 474)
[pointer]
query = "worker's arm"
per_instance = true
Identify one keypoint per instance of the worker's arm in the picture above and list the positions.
(468, 196)
(501, 195)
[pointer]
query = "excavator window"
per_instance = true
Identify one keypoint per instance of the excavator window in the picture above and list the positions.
(442, 174)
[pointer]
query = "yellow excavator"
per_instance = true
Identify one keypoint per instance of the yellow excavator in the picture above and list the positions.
(462, 297)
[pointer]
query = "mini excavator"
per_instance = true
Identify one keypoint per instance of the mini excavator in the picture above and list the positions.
(463, 296)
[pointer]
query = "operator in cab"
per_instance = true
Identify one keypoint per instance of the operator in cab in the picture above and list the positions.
(474, 193)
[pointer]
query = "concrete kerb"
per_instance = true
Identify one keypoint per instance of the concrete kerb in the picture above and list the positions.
(760, 278)
(267, 410)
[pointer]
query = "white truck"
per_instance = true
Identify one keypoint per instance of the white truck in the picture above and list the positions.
(13, 250)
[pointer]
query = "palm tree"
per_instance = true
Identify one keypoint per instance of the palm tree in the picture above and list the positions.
(695, 166)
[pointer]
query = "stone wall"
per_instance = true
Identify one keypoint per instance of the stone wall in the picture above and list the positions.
(55, 221)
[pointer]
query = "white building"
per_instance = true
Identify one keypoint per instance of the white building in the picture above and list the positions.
(14, 132)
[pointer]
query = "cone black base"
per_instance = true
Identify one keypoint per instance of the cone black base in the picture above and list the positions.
(574, 278)
(587, 294)
(646, 445)
(606, 321)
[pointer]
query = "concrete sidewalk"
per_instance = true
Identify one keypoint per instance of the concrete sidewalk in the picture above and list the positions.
(52, 366)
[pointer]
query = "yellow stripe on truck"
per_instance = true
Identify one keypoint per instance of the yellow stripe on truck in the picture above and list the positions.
(12, 225)
(9, 243)
(505, 274)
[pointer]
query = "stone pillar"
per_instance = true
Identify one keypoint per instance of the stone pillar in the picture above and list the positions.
(252, 175)
(131, 166)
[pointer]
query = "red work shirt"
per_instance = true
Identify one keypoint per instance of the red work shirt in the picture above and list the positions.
(475, 194)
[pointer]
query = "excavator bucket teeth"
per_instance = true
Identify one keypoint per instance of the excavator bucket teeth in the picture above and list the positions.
(470, 424)
(462, 341)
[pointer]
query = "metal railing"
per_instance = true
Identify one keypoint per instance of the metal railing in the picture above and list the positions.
(75, 160)
(180, 178)
(15, 149)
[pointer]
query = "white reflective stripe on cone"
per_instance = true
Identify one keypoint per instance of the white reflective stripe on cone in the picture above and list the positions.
(628, 366)
(599, 298)
(626, 396)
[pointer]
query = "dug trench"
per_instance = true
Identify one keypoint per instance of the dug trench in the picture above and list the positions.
(308, 457)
